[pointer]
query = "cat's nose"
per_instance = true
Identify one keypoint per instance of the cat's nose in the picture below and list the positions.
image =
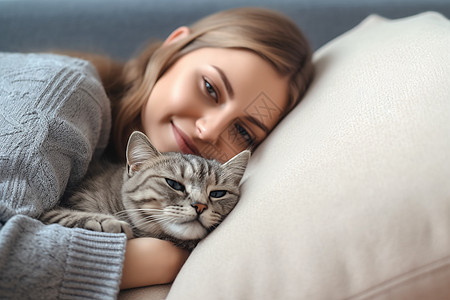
(199, 207)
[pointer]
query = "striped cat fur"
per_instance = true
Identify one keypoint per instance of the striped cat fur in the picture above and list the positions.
(172, 196)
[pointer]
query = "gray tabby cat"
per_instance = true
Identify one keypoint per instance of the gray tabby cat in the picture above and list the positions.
(172, 196)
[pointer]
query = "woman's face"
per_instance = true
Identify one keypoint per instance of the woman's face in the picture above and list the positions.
(214, 102)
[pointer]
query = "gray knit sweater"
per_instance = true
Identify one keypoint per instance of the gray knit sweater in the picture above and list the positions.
(54, 117)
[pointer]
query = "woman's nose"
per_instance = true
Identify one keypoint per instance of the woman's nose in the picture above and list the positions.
(210, 128)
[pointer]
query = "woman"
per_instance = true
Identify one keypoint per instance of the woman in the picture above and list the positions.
(211, 89)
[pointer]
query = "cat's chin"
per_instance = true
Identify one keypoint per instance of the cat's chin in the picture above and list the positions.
(191, 230)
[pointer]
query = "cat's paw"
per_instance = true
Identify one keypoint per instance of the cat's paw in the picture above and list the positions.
(111, 225)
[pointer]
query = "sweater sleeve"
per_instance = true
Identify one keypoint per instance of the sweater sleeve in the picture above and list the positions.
(54, 262)
(54, 117)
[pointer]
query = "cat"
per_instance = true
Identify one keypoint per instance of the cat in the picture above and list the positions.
(171, 196)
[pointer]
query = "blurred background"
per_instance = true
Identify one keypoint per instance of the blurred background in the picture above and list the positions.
(121, 27)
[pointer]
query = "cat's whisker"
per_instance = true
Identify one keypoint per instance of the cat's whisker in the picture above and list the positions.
(143, 223)
(136, 210)
(165, 220)
(154, 214)
(160, 219)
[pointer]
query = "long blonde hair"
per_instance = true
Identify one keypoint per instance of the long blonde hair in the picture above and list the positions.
(265, 32)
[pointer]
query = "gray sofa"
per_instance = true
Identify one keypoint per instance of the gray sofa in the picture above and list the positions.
(121, 27)
(356, 200)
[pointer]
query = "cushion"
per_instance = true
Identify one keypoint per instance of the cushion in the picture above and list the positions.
(349, 197)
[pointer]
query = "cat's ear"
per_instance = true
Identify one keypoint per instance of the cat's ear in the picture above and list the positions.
(139, 150)
(238, 163)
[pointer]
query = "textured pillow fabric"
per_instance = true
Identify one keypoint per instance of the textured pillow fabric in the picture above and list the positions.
(349, 198)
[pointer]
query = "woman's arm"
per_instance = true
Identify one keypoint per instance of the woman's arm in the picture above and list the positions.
(150, 261)
(54, 262)
(54, 116)
(108, 69)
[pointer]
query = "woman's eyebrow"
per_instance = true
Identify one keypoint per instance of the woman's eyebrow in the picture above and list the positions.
(225, 81)
(257, 123)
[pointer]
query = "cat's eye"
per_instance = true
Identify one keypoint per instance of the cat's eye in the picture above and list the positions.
(217, 194)
(175, 185)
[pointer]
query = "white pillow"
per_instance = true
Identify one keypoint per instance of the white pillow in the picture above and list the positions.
(349, 197)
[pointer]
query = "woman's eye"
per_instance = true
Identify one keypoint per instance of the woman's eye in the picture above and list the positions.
(175, 185)
(217, 194)
(244, 134)
(210, 90)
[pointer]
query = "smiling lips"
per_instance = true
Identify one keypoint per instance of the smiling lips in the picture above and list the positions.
(184, 142)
